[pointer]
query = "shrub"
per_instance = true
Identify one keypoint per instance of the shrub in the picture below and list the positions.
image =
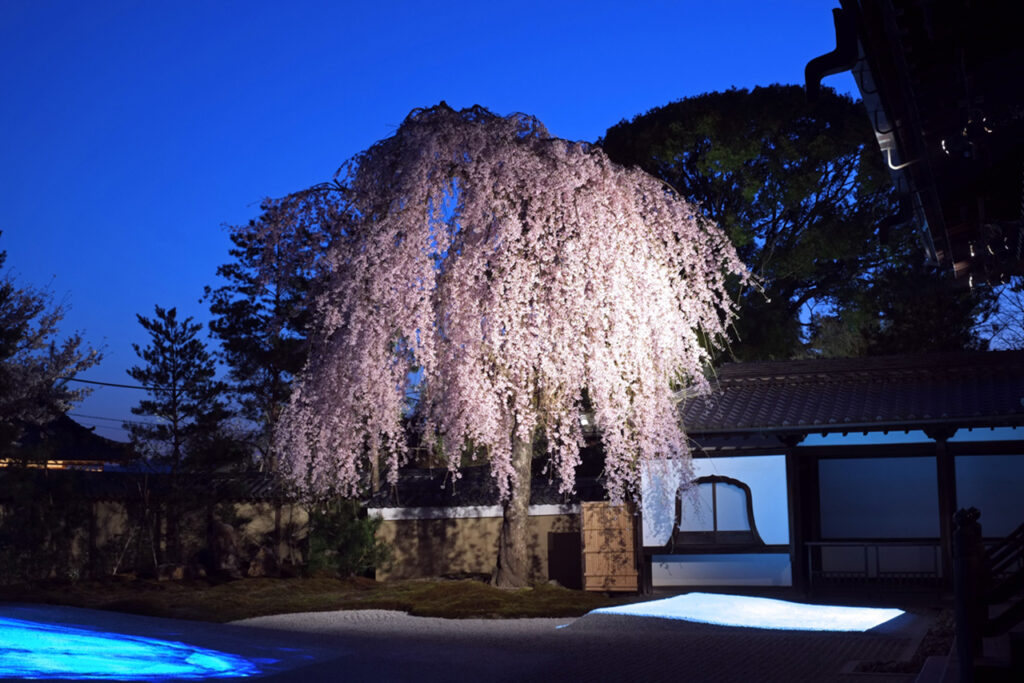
(343, 541)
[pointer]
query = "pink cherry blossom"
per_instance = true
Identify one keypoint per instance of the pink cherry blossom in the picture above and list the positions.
(518, 270)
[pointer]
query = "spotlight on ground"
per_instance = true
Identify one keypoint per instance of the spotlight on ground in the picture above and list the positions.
(36, 650)
(738, 610)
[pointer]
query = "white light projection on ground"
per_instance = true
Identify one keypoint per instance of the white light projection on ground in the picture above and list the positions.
(33, 650)
(737, 610)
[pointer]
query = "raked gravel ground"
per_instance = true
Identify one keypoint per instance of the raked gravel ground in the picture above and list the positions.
(392, 646)
(382, 646)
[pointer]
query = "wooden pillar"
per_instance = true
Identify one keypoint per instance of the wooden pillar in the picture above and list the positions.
(796, 504)
(945, 468)
(643, 560)
(971, 609)
(810, 493)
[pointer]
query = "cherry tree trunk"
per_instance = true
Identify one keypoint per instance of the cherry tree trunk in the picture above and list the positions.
(513, 570)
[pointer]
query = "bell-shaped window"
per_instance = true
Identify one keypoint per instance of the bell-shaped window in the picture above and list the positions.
(715, 511)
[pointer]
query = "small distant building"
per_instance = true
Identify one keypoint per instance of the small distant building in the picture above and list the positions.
(64, 444)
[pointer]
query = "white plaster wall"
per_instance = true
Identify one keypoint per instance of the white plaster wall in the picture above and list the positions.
(721, 570)
(764, 474)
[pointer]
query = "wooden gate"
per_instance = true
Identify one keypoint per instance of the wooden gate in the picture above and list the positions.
(609, 547)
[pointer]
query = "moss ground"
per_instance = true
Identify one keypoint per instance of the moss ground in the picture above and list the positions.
(228, 601)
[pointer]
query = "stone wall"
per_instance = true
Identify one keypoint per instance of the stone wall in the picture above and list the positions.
(466, 546)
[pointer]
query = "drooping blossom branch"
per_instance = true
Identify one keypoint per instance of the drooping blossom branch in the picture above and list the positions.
(519, 271)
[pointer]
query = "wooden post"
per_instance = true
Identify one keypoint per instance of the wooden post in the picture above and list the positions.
(643, 561)
(810, 507)
(946, 477)
(794, 496)
(970, 609)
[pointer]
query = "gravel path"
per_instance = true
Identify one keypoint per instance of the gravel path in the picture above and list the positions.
(598, 647)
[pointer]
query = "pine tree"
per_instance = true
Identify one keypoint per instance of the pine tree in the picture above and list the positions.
(260, 312)
(184, 396)
(799, 187)
(187, 404)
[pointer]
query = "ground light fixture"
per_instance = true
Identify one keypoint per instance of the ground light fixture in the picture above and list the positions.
(34, 650)
(751, 612)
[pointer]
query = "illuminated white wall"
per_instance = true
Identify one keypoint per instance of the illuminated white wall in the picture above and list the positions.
(766, 477)
(752, 569)
(860, 498)
(764, 474)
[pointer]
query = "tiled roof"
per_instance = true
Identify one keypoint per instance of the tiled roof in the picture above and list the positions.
(426, 488)
(65, 439)
(904, 392)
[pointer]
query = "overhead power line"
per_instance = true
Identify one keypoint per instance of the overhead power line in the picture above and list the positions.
(114, 432)
(112, 419)
(113, 384)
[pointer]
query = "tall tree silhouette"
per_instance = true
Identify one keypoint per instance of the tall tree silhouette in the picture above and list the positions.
(184, 403)
(260, 311)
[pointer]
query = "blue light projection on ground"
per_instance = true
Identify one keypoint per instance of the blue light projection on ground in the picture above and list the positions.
(30, 650)
(737, 610)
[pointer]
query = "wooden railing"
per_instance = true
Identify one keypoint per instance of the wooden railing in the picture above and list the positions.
(1005, 559)
(984, 577)
(1005, 570)
(854, 562)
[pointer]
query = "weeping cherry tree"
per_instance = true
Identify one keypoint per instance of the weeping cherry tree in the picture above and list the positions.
(520, 272)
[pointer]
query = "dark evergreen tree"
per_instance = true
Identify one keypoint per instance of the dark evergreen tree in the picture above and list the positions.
(798, 186)
(802, 191)
(260, 311)
(186, 416)
(184, 396)
(905, 306)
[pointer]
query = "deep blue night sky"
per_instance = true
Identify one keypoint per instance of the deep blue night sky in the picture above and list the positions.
(131, 131)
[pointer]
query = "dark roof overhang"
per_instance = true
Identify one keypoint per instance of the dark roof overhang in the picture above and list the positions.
(943, 83)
